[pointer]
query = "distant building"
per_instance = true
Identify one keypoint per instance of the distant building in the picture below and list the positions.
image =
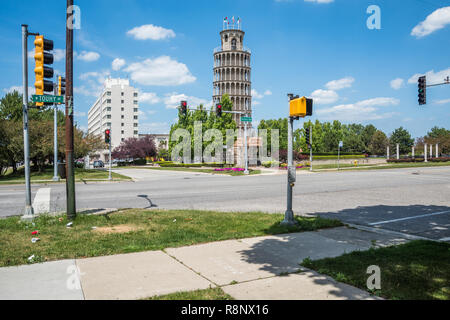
(116, 109)
(161, 140)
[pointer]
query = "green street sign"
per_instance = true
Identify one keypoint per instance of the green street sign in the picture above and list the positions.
(47, 98)
(246, 119)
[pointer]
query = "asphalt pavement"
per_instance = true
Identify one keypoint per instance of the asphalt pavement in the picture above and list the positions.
(412, 201)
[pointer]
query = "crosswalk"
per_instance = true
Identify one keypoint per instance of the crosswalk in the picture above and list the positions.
(41, 202)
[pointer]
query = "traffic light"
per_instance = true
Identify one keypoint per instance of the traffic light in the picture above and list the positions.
(301, 107)
(218, 110)
(307, 136)
(183, 107)
(422, 90)
(61, 86)
(107, 136)
(43, 57)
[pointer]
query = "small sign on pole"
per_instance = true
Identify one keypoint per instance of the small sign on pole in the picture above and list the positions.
(47, 98)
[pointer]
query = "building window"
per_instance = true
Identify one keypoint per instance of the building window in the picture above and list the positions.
(135, 102)
(108, 116)
(122, 116)
(121, 94)
(122, 101)
(122, 109)
(226, 38)
(123, 139)
(108, 93)
(135, 125)
(135, 94)
(108, 100)
(123, 124)
(108, 124)
(135, 117)
(135, 109)
(123, 132)
(136, 132)
(108, 109)
(233, 44)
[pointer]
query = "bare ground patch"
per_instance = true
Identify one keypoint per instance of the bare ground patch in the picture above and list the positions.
(123, 228)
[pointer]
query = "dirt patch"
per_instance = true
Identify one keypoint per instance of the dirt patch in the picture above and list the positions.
(123, 228)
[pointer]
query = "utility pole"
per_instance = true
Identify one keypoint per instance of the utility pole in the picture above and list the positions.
(29, 212)
(70, 174)
(55, 138)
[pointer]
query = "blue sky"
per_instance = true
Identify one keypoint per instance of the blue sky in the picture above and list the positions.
(317, 48)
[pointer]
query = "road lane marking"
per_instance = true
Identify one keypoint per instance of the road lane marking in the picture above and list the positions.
(41, 203)
(408, 218)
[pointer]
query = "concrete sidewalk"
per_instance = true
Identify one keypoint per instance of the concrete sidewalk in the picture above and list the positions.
(253, 268)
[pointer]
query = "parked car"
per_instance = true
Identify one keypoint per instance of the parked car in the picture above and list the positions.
(99, 164)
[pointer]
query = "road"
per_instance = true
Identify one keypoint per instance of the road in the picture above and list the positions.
(419, 197)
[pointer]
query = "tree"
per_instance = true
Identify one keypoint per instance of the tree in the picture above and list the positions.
(209, 121)
(403, 138)
(136, 148)
(378, 144)
(439, 136)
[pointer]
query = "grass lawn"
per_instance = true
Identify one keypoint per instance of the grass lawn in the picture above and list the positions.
(347, 166)
(231, 173)
(135, 230)
(418, 270)
(47, 175)
(207, 294)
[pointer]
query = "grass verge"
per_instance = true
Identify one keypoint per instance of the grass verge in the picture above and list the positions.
(207, 294)
(418, 270)
(47, 175)
(135, 230)
(211, 171)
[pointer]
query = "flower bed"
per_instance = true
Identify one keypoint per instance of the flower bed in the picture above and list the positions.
(230, 169)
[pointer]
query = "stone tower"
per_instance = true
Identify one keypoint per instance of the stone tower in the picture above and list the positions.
(232, 71)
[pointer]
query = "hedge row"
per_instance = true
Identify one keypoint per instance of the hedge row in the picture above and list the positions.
(412, 160)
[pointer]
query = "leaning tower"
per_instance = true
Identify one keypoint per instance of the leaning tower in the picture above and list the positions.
(232, 70)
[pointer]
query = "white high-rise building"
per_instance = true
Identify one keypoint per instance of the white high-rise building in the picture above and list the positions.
(116, 109)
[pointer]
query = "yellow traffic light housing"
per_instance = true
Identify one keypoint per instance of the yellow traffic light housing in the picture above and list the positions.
(43, 57)
(300, 107)
(61, 86)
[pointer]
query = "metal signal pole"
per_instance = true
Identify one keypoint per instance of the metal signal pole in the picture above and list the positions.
(70, 174)
(29, 212)
(310, 147)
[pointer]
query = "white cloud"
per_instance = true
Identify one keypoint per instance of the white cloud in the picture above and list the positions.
(148, 97)
(432, 77)
(360, 111)
(324, 96)
(256, 102)
(340, 84)
(161, 71)
(88, 56)
(19, 89)
(257, 95)
(154, 127)
(172, 101)
(445, 101)
(435, 21)
(151, 32)
(320, 1)
(117, 64)
(397, 84)
(79, 114)
(93, 83)
(59, 54)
